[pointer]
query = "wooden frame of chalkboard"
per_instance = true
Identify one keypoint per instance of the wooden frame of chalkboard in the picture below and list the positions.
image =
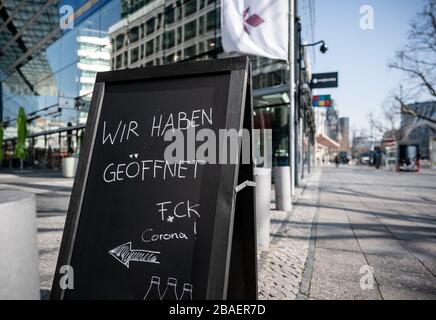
(232, 271)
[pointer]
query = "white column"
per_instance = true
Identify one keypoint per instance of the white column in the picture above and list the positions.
(282, 176)
(263, 206)
(19, 273)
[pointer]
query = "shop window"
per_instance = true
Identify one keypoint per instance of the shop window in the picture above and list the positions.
(277, 120)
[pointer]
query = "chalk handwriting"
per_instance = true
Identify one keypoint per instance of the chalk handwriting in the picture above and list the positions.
(113, 137)
(183, 209)
(180, 121)
(150, 236)
(155, 169)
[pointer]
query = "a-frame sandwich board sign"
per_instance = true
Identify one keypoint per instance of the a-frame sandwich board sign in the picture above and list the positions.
(142, 227)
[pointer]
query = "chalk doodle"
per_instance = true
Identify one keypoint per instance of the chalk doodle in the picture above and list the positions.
(153, 292)
(170, 292)
(125, 254)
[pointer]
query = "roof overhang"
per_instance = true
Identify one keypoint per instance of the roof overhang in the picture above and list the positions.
(326, 141)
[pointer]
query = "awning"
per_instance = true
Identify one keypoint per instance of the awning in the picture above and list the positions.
(326, 141)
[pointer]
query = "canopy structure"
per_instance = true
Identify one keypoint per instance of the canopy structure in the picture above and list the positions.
(326, 141)
(27, 27)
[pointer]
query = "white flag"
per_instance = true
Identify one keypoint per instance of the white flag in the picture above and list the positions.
(257, 27)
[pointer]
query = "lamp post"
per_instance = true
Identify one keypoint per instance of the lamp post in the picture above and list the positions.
(323, 50)
(323, 47)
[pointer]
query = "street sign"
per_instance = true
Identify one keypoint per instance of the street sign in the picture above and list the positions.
(141, 227)
(322, 101)
(324, 80)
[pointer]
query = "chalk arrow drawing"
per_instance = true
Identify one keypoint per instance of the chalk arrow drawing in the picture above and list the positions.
(125, 254)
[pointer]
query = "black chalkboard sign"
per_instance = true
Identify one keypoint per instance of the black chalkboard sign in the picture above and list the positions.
(142, 227)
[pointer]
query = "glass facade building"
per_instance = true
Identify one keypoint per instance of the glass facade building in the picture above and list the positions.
(168, 31)
(165, 31)
(53, 73)
(57, 53)
(50, 71)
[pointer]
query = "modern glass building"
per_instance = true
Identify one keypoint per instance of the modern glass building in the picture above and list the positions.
(164, 32)
(155, 32)
(50, 71)
(49, 68)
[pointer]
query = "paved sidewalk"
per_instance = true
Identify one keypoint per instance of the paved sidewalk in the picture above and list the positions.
(344, 219)
(281, 267)
(283, 264)
(378, 219)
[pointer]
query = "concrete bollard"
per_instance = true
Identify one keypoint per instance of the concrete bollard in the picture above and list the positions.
(19, 271)
(69, 167)
(282, 182)
(263, 202)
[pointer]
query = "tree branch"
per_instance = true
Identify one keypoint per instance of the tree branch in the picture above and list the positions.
(406, 109)
(419, 74)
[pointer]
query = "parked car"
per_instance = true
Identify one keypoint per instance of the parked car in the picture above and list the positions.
(364, 158)
(408, 157)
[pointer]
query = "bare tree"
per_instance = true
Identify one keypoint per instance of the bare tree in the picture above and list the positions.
(391, 126)
(406, 109)
(418, 59)
(392, 115)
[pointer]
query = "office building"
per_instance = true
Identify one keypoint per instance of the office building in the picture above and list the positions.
(415, 127)
(162, 32)
(344, 130)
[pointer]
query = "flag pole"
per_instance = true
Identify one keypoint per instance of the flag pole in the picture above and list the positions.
(292, 10)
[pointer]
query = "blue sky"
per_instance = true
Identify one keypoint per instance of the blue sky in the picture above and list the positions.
(361, 56)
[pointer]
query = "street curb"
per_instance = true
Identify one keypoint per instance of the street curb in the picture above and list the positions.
(295, 199)
(304, 290)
